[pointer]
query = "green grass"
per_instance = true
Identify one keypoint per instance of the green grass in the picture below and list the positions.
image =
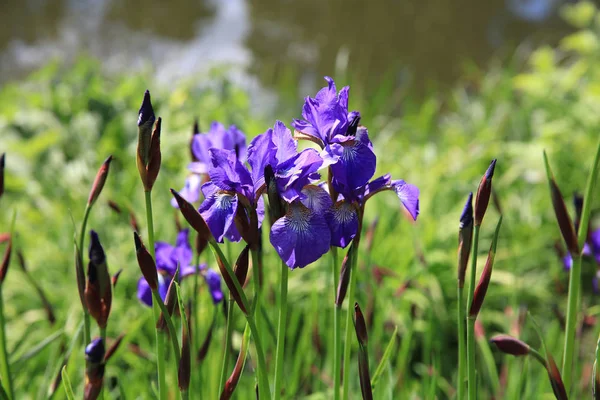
(60, 124)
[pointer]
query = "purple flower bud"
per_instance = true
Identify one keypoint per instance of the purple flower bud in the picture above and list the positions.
(465, 237)
(94, 352)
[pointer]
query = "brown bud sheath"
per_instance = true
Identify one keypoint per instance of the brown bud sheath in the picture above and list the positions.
(486, 275)
(483, 193)
(155, 156)
(170, 302)
(276, 207)
(234, 378)
(230, 284)
(2, 163)
(145, 122)
(360, 326)
(113, 347)
(344, 276)
(184, 371)
(201, 244)
(5, 261)
(99, 181)
(114, 206)
(510, 345)
(363, 356)
(241, 266)
(115, 278)
(146, 262)
(98, 290)
(567, 229)
(558, 387)
(192, 216)
(465, 237)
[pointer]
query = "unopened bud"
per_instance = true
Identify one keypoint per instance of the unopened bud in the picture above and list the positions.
(146, 262)
(510, 345)
(192, 216)
(99, 182)
(484, 192)
(465, 237)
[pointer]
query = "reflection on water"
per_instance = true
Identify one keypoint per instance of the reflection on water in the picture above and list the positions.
(430, 38)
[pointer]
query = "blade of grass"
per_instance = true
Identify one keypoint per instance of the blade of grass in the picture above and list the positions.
(67, 384)
(384, 359)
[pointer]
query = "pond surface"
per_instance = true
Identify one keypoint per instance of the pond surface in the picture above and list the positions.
(428, 40)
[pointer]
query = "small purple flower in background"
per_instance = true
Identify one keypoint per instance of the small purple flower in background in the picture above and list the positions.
(590, 248)
(168, 257)
(346, 145)
(218, 137)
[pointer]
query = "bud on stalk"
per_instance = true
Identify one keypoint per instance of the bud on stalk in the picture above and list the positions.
(510, 345)
(98, 290)
(465, 238)
(170, 301)
(484, 192)
(146, 262)
(148, 148)
(99, 182)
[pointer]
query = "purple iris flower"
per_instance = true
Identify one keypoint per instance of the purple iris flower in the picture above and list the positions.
(219, 138)
(168, 257)
(230, 189)
(590, 248)
(346, 146)
(343, 220)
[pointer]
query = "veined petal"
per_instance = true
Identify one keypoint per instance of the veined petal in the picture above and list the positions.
(343, 222)
(356, 164)
(218, 210)
(377, 184)
(285, 144)
(316, 199)
(297, 172)
(213, 281)
(301, 236)
(408, 195)
(201, 143)
(191, 190)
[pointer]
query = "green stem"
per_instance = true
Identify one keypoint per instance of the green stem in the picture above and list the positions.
(575, 278)
(460, 384)
(337, 360)
(229, 331)
(472, 384)
(5, 365)
(86, 316)
(349, 324)
(263, 380)
(281, 331)
(160, 346)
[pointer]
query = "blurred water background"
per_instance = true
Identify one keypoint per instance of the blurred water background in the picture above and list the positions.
(426, 43)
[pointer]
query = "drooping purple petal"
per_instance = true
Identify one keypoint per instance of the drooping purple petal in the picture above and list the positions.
(191, 190)
(228, 173)
(164, 262)
(356, 163)
(218, 210)
(213, 281)
(316, 199)
(301, 236)
(343, 222)
(144, 293)
(297, 172)
(408, 195)
(377, 185)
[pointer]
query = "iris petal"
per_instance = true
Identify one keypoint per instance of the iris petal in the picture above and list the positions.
(218, 210)
(213, 281)
(343, 222)
(191, 190)
(301, 236)
(408, 195)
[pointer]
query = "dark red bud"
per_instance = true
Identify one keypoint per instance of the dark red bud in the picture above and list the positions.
(228, 279)
(344, 276)
(115, 278)
(184, 371)
(99, 182)
(192, 216)
(154, 161)
(510, 345)
(241, 266)
(465, 237)
(360, 326)
(483, 193)
(146, 262)
(558, 387)
(5, 261)
(234, 378)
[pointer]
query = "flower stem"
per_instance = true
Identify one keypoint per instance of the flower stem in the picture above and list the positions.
(349, 323)
(263, 380)
(229, 331)
(86, 316)
(281, 331)
(160, 346)
(337, 360)
(460, 384)
(5, 365)
(472, 385)
(575, 278)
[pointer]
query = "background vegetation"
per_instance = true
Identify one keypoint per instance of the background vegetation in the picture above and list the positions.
(60, 123)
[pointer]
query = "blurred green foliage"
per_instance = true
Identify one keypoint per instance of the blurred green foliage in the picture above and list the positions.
(58, 125)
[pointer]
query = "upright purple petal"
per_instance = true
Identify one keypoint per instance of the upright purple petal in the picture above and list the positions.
(218, 210)
(261, 153)
(297, 172)
(408, 195)
(228, 173)
(301, 236)
(285, 144)
(182, 253)
(191, 190)
(343, 222)
(213, 281)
